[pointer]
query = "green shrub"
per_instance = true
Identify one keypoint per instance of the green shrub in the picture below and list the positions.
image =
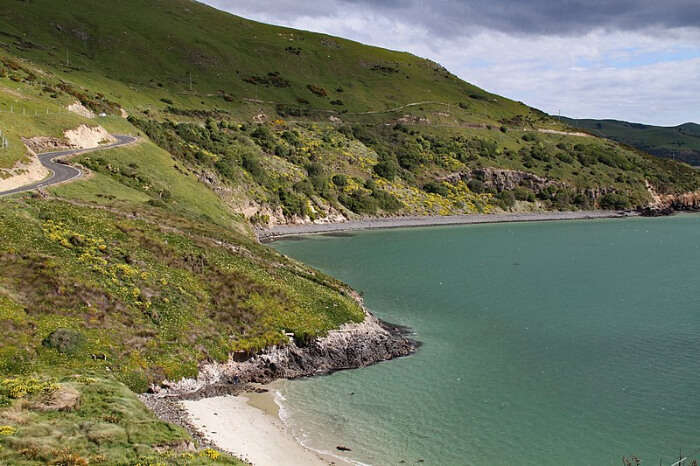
(362, 202)
(292, 204)
(359, 202)
(523, 194)
(410, 156)
(476, 186)
(436, 188)
(292, 138)
(340, 180)
(273, 79)
(264, 138)
(564, 157)
(387, 167)
(506, 199)
(135, 380)
(386, 201)
(251, 164)
(317, 90)
(314, 168)
(64, 340)
(614, 201)
(282, 151)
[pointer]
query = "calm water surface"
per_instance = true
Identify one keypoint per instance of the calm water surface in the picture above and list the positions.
(558, 343)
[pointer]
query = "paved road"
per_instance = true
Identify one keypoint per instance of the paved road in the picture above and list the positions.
(62, 172)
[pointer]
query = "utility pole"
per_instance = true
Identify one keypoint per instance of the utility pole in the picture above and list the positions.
(67, 57)
(189, 73)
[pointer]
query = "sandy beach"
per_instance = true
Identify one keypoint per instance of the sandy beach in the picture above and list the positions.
(281, 231)
(248, 426)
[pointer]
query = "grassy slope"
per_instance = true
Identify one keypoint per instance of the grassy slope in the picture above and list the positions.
(25, 102)
(148, 295)
(107, 47)
(109, 425)
(157, 295)
(681, 142)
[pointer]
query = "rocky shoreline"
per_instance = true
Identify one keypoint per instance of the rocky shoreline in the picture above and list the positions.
(282, 231)
(352, 346)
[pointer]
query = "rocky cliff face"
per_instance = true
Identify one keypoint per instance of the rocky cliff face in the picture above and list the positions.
(501, 179)
(349, 347)
(506, 180)
(666, 204)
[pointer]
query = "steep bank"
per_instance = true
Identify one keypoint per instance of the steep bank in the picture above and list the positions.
(352, 346)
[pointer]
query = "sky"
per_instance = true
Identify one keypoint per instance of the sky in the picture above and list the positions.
(634, 60)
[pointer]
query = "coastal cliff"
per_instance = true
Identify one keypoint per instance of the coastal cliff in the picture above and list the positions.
(667, 204)
(352, 346)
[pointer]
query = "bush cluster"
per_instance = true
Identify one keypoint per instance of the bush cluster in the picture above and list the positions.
(272, 78)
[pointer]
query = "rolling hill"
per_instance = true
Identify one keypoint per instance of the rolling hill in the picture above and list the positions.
(680, 142)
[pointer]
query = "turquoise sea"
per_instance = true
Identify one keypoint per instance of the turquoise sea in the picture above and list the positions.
(555, 343)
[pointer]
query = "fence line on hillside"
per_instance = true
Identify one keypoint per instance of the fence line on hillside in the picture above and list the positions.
(23, 111)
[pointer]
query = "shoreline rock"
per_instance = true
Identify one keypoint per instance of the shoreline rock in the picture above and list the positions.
(670, 204)
(352, 346)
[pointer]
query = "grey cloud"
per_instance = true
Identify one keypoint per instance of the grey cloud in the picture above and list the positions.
(580, 58)
(448, 18)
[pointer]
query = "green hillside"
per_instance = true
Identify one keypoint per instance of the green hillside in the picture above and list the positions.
(138, 52)
(148, 266)
(680, 142)
(292, 124)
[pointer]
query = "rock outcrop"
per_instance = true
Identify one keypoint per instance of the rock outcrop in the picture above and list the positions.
(502, 179)
(667, 204)
(351, 346)
(499, 180)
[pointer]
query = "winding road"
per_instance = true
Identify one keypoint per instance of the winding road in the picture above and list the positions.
(61, 172)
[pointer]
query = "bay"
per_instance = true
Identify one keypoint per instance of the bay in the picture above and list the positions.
(543, 344)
